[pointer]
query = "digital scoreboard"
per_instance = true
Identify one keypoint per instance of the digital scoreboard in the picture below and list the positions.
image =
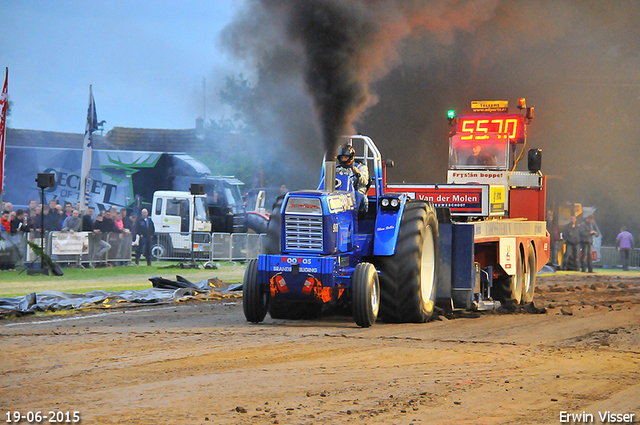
(478, 127)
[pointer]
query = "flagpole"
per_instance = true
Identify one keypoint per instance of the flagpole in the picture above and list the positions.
(4, 106)
(87, 149)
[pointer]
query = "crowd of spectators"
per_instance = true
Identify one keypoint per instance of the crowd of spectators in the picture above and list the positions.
(66, 217)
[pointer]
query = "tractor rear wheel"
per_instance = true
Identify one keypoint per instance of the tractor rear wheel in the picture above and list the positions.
(255, 301)
(529, 284)
(408, 279)
(273, 244)
(365, 288)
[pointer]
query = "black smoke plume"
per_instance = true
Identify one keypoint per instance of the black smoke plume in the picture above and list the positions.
(392, 68)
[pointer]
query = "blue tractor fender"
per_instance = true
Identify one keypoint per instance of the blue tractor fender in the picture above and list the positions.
(387, 227)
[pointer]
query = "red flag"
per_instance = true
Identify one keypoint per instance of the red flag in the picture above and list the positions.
(4, 106)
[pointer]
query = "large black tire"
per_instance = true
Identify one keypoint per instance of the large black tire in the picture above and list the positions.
(408, 279)
(509, 289)
(273, 244)
(255, 301)
(365, 300)
(256, 223)
(529, 283)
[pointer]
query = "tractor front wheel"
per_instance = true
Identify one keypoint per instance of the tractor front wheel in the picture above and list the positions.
(366, 294)
(255, 301)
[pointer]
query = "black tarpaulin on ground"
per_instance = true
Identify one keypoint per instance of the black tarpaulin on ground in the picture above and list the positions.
(163, 291)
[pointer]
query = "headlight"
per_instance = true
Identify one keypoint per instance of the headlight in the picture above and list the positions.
(395, 203)
(385, 202)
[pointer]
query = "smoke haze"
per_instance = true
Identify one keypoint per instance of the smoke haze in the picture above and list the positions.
(391, 70)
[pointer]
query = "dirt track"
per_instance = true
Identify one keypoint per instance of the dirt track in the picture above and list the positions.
(200, 362)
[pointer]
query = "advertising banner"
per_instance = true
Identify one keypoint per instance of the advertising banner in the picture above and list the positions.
(467, 200)
(66, 243)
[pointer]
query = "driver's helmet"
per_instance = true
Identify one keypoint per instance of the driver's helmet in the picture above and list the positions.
(349, 152)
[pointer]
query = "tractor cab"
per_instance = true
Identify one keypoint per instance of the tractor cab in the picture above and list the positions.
(367, 153)
(490, 153)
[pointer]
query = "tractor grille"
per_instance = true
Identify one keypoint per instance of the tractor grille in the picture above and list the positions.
(303, 233)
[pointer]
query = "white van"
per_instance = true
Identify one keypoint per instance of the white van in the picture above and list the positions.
(176, 214)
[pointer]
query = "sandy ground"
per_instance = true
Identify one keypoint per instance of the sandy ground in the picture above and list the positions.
(201, 363)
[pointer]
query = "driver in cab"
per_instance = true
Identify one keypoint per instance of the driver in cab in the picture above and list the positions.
(358, 172)
(480, 158)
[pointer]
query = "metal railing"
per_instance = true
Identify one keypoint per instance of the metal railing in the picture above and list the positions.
(236, 246)
(79, 248)
(208, 246)
(177, 246)
(610, 258)
(82, 248)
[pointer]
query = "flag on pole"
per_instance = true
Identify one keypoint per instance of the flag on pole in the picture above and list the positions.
(4, 106)
(87, 148)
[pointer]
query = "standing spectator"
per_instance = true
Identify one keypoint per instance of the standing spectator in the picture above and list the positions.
(572, 240)
(119, 222)
(625, 244)
(33, 216)
(68, 210)
(134, 233)
(108, 225)
(146, 230)
(554, 239)
(44, 212)
(19, 222)
(53, 220)
(73, 223)
(8, 206)
(87, 221)
(32, 205)
(99, 227)
(6, 221)
(128, 224)
(587, 232)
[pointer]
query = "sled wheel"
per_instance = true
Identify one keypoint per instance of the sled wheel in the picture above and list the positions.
(408, 279)
(365, 288)
(509, 288)
(529, 285)
(255, 300)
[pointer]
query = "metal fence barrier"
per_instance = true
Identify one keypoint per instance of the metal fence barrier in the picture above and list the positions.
(12, 249)
(610, 258)
(177, 246)
(79, 248)
(236, 246)
(82, 248)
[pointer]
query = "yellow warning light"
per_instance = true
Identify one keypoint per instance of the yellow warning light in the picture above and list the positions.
(522, 103)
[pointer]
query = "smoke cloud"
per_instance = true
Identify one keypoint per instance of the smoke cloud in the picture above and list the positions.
(391, 70)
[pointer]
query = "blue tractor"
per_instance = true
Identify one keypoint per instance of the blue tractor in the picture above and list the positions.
(322, 248)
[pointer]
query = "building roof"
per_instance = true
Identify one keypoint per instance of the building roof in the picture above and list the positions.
(52, 139)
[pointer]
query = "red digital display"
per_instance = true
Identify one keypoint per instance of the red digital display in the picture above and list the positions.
(478, 127)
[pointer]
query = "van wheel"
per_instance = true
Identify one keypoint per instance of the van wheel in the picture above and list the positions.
(157, 251)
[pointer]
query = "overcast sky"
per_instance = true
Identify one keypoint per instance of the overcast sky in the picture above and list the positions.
(145, 59)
